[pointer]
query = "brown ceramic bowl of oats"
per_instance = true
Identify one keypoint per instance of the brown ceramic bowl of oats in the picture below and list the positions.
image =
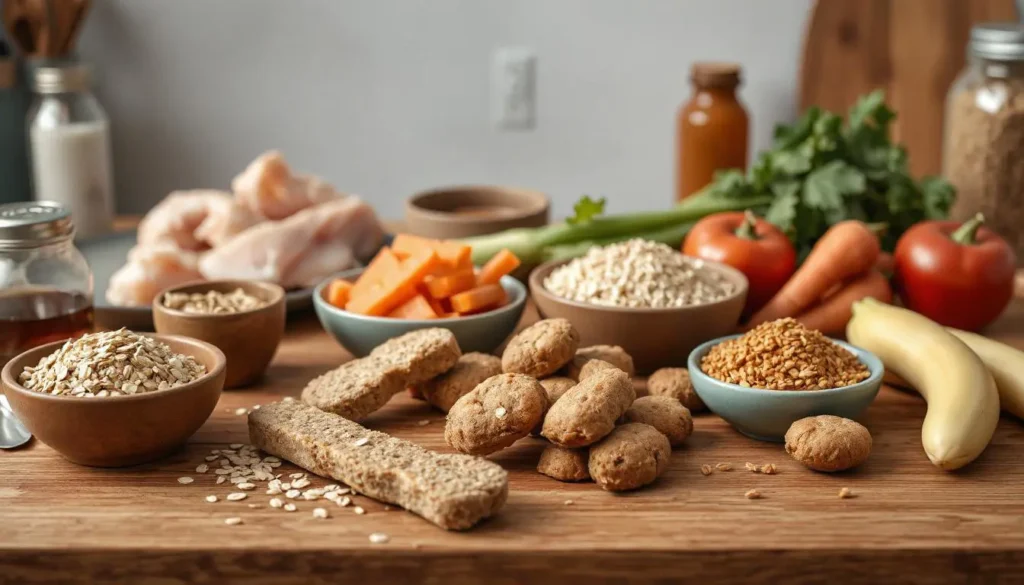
(111, 411)
(669, 317)
(245, 319)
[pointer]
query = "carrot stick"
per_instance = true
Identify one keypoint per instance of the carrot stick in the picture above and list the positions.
(834, 312)
(847, 249)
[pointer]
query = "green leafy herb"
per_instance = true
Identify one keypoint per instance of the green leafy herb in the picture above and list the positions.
(820, 172)
(586, 208)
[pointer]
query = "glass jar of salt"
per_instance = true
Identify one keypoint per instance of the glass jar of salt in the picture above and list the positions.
(69, 137)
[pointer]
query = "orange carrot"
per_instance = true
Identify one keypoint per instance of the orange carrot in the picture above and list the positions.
(453, 255)
(501, 264)
(396, 287)
(338, 292)
(834, 312)
(478, 299)
(847, 249)
(442, 287)
(415, 308)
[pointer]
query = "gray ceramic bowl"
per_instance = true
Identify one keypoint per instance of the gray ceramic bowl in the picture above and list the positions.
(767, 414)
(359, 334)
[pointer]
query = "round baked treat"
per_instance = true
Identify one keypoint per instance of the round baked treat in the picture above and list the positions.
(498, 412)
(613, 354)
(564, 464)
(419, 355)
(541, 349)
(664, 413)
(588, 411)
(469, 371)
(675, 382)
(632, 456)
(828, 443)
(555, 387)
(595, 365)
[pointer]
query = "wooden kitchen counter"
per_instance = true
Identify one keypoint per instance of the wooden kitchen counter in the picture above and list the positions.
(909, 522)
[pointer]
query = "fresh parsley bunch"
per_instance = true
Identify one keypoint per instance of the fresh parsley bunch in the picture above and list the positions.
(820, 172)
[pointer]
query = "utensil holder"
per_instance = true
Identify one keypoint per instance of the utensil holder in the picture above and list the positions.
(15, 99)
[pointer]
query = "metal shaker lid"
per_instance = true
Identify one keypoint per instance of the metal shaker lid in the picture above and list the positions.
(61, 79)
(999, 41)
(34, 223)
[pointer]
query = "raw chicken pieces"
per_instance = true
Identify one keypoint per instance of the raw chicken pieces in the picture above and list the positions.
(268, 187)
(196, 220)
(281, 227)
(150, 269)
(299, 251)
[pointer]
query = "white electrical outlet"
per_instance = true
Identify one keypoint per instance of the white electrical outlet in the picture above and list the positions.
(514, 88)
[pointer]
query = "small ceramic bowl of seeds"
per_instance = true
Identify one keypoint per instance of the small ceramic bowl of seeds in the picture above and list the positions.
(780, 372)
(245, 319)
(115, 398)
(645, 297)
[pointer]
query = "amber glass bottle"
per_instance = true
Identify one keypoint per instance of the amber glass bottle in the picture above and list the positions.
(711, 129)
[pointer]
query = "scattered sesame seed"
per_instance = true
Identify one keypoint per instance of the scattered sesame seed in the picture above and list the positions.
(379, 538)
(233, 521)
(500, 412)
(241, 411)
(361, 441)
(423, 422)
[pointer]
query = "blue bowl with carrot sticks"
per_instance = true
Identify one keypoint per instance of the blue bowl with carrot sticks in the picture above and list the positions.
(766, 415)
(360, 334)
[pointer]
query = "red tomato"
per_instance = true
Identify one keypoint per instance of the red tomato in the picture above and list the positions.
(753, 246)
(957, 275)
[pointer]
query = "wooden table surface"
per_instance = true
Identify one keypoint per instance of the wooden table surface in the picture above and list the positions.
(909, 522)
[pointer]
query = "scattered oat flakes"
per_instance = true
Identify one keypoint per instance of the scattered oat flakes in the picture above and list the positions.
(845, 493)
(289, 398)
(235, 445)
(359, 510)
(723, 466)
(299, 475)
(320, 512)
(236, 496)
(300, 483)
(185, 480)
(751, 467)
(752, 494)
(241, 411)
(344, 501)
(276, 502)
(379, 538)
(423, 422)
(500, 412)
(568, 502)
(705, 469)
(292, 494)
(211, 457)
(768, 469)
(211, 498)
(212, 302)
(254, 505)
(233, 521)
(289, 507)
(220, 479)
(202, 468)
(361, 441)
(244, 485)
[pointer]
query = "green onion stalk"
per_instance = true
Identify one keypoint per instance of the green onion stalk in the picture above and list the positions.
(574, 237)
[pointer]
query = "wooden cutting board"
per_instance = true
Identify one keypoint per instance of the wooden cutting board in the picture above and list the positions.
(909, 522)
(913, 49)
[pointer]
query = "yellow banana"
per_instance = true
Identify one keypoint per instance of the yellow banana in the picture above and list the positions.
(963, 404)
(1005, 363)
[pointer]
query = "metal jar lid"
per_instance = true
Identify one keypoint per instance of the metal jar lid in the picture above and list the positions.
(34, 223)
(999, 41)
(63, 79)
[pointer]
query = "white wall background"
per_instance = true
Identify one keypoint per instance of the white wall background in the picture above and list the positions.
(389, 97)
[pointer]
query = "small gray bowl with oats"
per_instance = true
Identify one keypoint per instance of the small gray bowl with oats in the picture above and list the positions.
(766, 415)
(655, 338)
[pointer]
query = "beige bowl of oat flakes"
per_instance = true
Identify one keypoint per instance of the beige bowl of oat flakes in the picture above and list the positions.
(678, 302)
(130, 423)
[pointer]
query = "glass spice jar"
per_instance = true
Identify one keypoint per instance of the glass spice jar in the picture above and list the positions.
(46, 286)
(983, 154)
(712, 128)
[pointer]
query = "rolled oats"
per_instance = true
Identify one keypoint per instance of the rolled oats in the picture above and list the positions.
(638, 273)
(212, 302)
(110, 363)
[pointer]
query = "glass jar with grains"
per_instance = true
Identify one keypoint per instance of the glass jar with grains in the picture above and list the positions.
(984, 135)
(45, 282)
